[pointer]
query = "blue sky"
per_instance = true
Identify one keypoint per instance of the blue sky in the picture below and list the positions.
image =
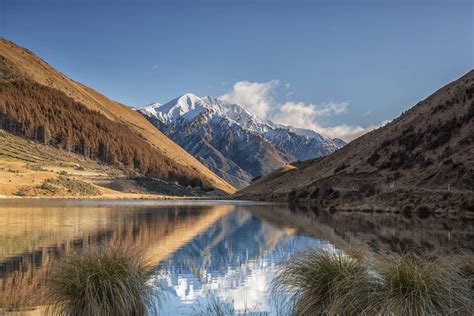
(338, 66)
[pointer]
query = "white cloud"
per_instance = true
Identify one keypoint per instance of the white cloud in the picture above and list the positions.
(301, 115)
(296, 114)
(347, 132)
(332, 108)
(255, 96)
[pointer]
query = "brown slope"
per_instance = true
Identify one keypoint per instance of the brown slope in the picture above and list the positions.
(18, 63)
(426, 148)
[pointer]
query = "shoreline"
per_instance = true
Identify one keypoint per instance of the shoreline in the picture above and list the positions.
(124, 199)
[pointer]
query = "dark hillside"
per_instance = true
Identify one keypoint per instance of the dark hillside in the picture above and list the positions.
(424, 155)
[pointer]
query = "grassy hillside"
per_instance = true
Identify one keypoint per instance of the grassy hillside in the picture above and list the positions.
(425, 155)
(32, 169)
(41, 104)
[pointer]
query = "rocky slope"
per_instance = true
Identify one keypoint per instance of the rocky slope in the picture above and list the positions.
(424, 156)
(39, 103)
(231, 141)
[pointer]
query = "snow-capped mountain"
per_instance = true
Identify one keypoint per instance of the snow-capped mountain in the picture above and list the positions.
(231, 141)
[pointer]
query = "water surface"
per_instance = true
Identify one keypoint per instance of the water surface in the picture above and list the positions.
(203, 251)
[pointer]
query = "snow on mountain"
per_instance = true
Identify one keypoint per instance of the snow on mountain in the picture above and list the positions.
(231, 141)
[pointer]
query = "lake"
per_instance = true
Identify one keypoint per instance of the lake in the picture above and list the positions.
(203, 251)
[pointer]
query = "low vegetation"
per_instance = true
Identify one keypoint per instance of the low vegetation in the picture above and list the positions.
(313, 278)
(102, 281)
(412, 285)
(323, 282)
(60, 186)
(72, 187)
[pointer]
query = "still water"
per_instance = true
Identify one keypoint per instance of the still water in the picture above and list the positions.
(203, 251)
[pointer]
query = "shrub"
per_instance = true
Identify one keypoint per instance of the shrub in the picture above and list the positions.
(292, 196)
(408, 210)
(341, 167)
(423, 212)
(23, 191)
(373, 158)
(102, 281)
(315, 193)
(332, 209)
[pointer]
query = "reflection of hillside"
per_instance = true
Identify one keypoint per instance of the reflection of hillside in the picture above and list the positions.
(25, 229)
(50, 233)
(378, 230)
(170, 236)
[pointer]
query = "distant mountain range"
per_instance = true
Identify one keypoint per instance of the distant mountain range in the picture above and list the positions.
(234, 143)
(425, 156)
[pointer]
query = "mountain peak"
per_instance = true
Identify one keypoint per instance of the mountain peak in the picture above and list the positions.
(189, 98)
(233, 142)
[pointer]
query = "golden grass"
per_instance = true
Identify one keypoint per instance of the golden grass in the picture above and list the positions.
(111, 280)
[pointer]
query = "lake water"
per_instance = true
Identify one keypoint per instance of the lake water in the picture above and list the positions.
(203, 251)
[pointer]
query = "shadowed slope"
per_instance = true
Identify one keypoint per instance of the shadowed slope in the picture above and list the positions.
(426, 148)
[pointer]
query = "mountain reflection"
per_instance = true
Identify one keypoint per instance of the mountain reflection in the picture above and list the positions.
(229, 250)
(235, 259)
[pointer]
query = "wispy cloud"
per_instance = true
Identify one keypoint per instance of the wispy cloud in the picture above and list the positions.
(258, 98)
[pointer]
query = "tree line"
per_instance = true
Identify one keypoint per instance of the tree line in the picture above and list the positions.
(49, 116)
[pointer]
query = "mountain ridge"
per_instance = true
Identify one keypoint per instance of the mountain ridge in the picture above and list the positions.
(230, 140)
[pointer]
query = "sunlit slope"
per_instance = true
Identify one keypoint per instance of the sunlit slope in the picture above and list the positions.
(19, 63)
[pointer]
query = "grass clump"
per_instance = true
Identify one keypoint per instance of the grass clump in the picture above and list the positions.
(413, 285)
(323, 282)
(313, 279)
(103, 281)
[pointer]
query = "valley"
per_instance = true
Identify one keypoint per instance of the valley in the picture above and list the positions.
(230, 158)
(62, 139)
